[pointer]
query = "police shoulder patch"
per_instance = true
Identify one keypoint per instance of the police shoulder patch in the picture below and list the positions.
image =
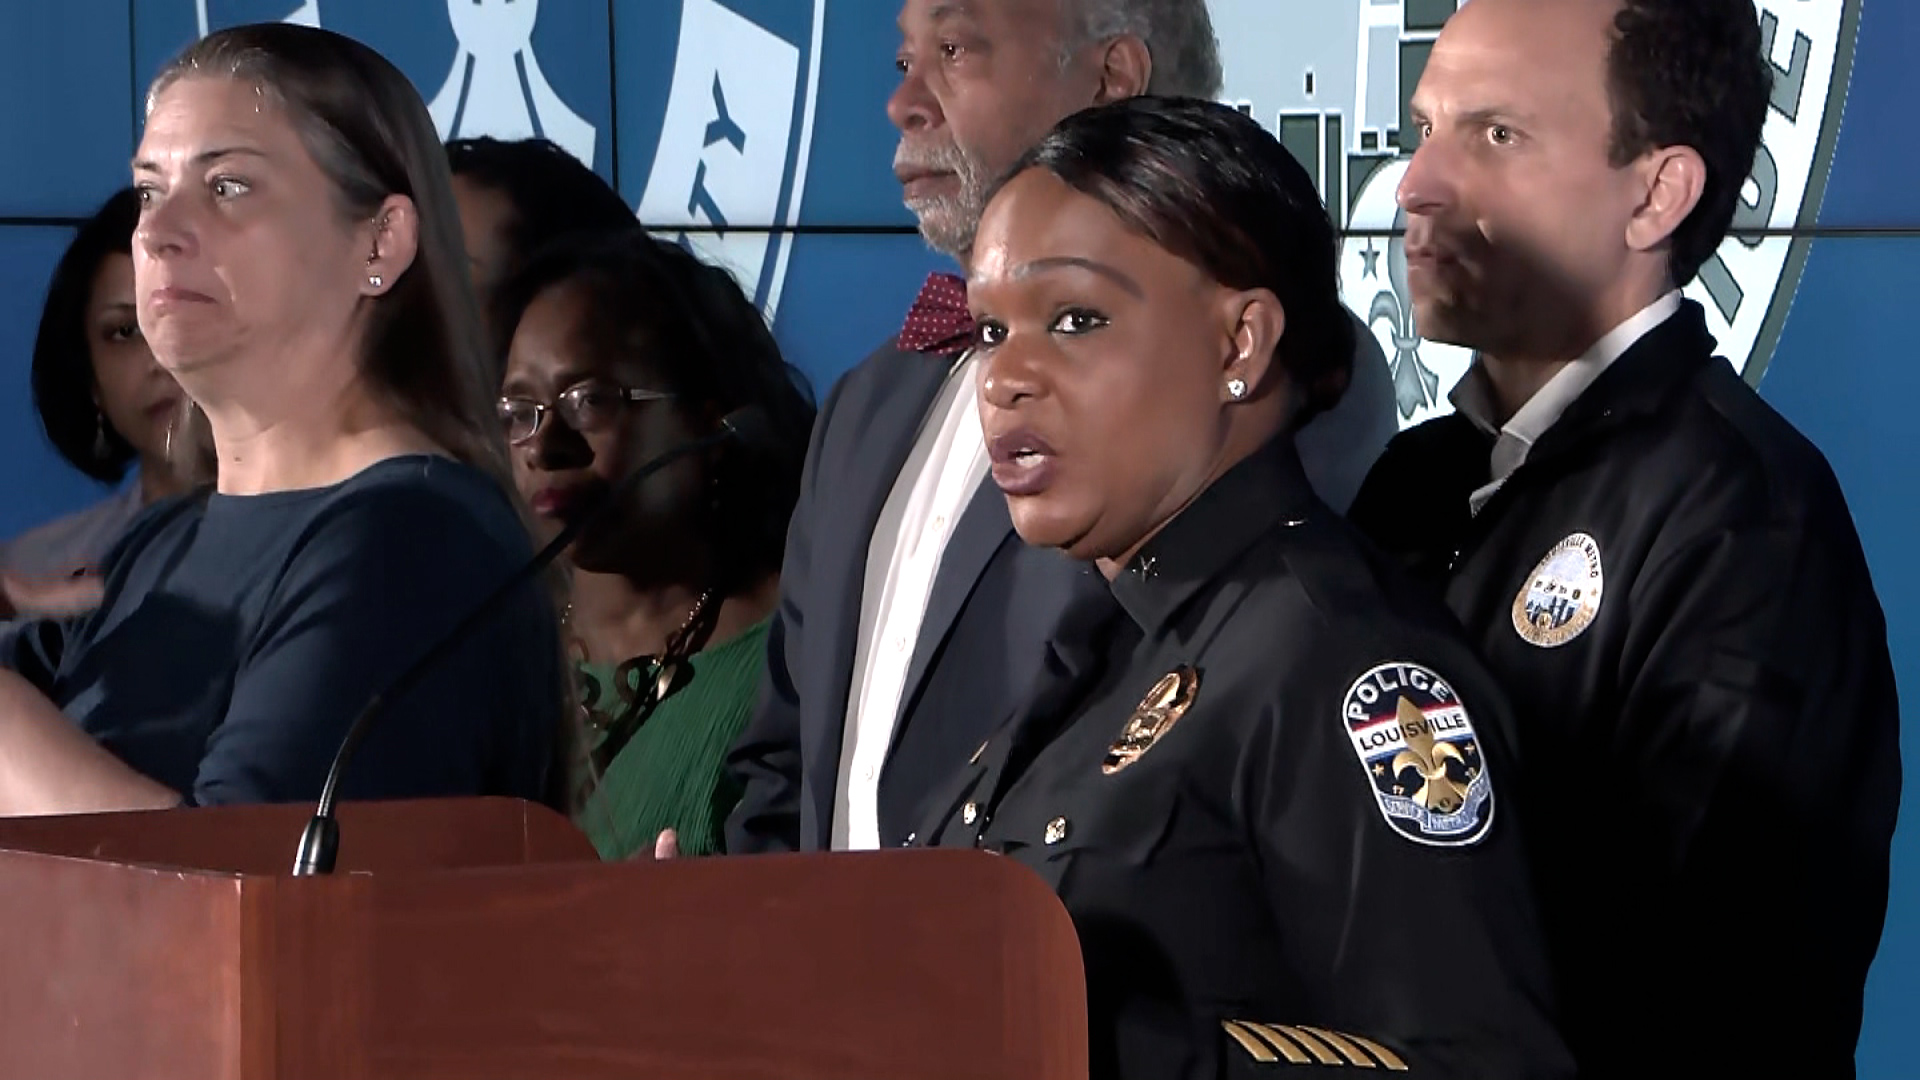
(1420, 754)
(1561, 598)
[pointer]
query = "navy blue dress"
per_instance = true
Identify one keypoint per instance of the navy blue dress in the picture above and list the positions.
(239, 636)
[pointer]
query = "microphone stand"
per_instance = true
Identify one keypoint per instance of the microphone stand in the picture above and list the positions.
(320, 842)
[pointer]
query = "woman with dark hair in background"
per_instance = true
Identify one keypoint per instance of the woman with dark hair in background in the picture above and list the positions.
(298, 269)
(621, 349)
(104, 402)
(1260, 774)
(517, 195)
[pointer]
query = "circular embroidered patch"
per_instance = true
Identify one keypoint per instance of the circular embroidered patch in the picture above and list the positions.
(1421, 756)
(1562, 596)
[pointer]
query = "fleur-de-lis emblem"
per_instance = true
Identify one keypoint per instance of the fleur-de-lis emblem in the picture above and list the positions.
(1414, 384)
(1423, 762)
(1438, 791)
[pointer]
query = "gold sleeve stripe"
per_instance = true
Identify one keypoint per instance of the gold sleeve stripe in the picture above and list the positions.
(1314, 1046)
(1254, 1047)
(1263, 1042)
(1353, 1054)
(1387, 1057)
(1280, 1043)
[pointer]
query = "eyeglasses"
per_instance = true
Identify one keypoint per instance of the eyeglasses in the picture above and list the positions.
(586, 408)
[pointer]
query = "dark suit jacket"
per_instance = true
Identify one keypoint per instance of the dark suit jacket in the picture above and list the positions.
(993, 605)
(965, 672)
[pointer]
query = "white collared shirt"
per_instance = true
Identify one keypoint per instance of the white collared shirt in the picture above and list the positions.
(946, 466)
(1473, 396)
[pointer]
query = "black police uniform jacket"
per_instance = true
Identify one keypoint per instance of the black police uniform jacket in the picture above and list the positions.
(1672, 593)
(1267, 784)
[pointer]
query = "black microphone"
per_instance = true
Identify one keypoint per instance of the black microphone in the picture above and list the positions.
(320, 843)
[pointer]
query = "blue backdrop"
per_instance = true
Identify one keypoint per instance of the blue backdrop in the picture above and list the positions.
(754, 128)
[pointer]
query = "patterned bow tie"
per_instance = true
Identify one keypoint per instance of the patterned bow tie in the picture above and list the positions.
(938, 322)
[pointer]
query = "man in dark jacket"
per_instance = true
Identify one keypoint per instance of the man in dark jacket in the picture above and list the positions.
(1663, 574)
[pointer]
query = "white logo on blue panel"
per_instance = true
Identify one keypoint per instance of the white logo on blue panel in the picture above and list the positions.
(496, 87)
(733, 143)
(735, 120)
(305, 13)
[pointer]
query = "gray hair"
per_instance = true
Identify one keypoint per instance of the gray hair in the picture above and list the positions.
(1178, 35)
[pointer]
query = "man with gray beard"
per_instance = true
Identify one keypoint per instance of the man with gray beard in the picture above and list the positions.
(911, 617)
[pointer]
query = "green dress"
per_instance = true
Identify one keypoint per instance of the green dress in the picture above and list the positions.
(672, 773)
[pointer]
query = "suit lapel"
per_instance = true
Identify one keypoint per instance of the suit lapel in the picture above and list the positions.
(1075, 658)
(1072, 658)
(881, 427)
(984, 527)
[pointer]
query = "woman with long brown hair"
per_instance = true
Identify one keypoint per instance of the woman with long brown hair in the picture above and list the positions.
(298, 269)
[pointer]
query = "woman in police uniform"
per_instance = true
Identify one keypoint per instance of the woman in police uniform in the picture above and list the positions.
(1265, 780)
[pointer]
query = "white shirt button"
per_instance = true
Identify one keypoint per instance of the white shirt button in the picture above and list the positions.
(867, 774)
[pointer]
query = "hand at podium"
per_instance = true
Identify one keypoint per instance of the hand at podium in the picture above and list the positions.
(666, 845)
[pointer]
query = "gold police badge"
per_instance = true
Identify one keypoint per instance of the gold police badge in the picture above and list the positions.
(1156, 714)
(1561, 598)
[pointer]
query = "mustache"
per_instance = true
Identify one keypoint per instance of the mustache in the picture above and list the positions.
(935, 157)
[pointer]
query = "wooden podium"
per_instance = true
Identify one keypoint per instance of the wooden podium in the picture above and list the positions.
(481, 939)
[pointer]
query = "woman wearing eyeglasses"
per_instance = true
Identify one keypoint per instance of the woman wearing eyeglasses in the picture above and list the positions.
(619, 350)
